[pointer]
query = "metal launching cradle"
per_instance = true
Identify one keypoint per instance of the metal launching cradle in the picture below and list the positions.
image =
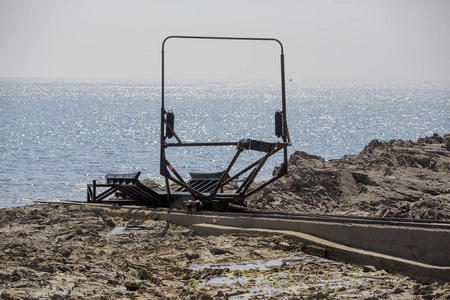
(204, 191)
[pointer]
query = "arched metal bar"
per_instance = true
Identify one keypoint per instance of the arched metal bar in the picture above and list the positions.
(283, 79)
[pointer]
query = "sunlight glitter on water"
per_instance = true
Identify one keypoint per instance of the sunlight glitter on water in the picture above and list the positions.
(56, 136)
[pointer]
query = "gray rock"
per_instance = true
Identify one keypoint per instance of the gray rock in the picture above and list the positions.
(218, 251)
(387, 178)
(284, 245)
(191, 255)
(368, 268)
(143, 274)
(398, 290)
(320, 295)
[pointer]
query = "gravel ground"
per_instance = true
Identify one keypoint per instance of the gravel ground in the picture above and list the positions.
(75, 252)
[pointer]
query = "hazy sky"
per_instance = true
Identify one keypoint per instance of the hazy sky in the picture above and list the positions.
(326, 40)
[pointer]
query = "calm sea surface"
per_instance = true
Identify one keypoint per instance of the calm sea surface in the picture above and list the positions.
(56, 136)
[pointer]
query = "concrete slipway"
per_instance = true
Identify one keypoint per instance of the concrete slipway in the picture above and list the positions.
(422, 253)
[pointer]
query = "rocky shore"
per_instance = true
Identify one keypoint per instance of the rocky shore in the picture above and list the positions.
(56, 251)
(51, 251)
(394, 178)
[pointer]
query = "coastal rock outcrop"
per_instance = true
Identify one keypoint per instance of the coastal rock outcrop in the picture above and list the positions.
(394, 178)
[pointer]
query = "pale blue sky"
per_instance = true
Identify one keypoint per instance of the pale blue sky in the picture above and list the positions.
(325, 40)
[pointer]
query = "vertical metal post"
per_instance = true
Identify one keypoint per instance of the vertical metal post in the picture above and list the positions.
(162, 158)
(283, 89)
(94, 190)
(167, 189)
(283, 100)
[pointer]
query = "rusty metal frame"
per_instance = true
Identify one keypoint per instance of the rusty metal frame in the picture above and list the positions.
(167, 170)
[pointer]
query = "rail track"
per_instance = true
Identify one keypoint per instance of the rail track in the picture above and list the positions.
(418, 248)
(424, 223)
(256, 213)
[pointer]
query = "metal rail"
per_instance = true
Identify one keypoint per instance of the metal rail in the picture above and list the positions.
(281, 213)
(421, 223)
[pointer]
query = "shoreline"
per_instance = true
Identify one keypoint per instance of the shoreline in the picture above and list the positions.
(60, 251)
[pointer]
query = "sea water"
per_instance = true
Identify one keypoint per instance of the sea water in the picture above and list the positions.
(58, 135)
